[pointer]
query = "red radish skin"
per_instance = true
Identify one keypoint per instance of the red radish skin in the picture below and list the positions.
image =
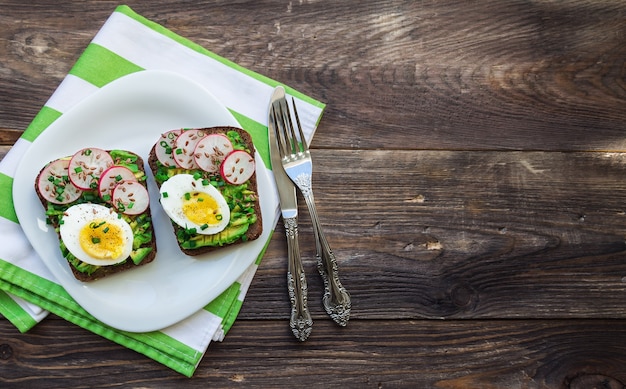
(54, 185)
(87, 165)
(131, 198)
(112, 177)
(185, 145)
(237, 167)
(165, 146)
(211, 151)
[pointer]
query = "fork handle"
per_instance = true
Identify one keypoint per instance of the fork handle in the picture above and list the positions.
(300, 321)
(336, 299)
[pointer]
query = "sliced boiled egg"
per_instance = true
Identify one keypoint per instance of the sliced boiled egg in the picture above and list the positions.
(96, 235)
(194, 204)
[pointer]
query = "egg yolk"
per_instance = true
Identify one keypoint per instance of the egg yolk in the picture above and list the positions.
(102, 240)
(201, 208)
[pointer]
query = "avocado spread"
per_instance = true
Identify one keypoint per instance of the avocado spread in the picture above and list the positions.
(240, 199)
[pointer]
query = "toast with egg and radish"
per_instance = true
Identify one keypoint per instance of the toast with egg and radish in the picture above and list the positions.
(208, 186)
(97, 201)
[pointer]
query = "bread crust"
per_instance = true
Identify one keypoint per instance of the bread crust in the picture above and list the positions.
(255, 229)
(104, 271)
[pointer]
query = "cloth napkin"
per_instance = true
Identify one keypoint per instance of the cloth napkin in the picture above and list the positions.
(127, 43)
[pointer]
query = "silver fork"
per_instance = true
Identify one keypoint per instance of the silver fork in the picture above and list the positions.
(296, 160)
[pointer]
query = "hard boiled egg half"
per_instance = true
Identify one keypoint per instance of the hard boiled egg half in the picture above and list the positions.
(194, 204)
(96, 235)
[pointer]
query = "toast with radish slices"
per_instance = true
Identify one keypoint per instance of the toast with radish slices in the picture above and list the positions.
(97, 201)
(208, 187)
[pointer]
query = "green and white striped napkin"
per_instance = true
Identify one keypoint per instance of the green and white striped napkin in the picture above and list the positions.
(129, 43)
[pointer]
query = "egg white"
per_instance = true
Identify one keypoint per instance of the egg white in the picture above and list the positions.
(78, 216)
(173, 192)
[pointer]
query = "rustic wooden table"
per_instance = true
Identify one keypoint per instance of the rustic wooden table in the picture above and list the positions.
(470, 172)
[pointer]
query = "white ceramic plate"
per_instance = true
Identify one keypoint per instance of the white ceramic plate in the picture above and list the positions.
(131, 113)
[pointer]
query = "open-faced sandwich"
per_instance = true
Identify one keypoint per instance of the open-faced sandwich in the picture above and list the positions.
(208, 186)
(97, 201)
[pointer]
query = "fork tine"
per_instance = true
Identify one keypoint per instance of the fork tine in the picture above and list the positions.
(295, 112)
(291, 134)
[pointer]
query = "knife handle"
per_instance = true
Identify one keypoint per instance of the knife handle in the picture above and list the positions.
(336, 299)
(300, 322)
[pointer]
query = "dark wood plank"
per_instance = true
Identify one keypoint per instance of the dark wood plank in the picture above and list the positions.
(466, 234)
(496, 75)
(367, 353)
(8, 136)
(4, 150)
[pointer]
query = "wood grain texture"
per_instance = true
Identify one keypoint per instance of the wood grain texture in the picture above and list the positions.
(469, 172)
(470, 234)
(404, 353)
(548, 76)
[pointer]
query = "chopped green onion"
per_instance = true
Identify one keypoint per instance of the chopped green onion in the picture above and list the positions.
(78, 169)
(204, 226)
(218, 217)
(165, 195)
(95, 240)
(187, 196)
(106, 197)
(118, 178)
(106, 229)
(196, 175)
(94, 225)
(179, 151)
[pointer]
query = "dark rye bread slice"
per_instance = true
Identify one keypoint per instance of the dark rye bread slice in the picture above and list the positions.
(255, 229)
(104, 271)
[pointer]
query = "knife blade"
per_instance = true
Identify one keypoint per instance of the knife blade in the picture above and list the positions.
(300, 320)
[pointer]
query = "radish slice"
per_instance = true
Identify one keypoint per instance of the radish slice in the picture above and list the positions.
(87, 165)
(237, 167)
(112, 177)
(185, 145)
(54, 184)
(165, 146)
(131, 198)
(211, 151)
